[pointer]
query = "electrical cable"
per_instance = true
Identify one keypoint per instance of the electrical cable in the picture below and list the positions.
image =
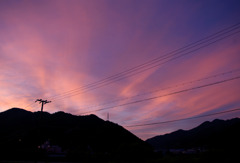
(172, 93)
(118, 77)
(166, 88)
(176, 120)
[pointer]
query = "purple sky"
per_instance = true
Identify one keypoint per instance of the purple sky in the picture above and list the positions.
(48, 48)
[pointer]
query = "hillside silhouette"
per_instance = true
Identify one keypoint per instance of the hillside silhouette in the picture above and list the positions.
(41, 136)
(216, 141)
(26, 135)
(218, 133)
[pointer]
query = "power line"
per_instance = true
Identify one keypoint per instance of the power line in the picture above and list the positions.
(166, 88)
(176, 120)
(220, 35)
(77, 93)
(150, 64)
(129, 75)
(172, 93)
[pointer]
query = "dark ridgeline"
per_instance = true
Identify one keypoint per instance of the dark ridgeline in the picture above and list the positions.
(216, 141)
(41, 136)
(64, 137)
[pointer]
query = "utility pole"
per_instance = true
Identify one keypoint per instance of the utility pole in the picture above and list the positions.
(43, 102)
(108, 116)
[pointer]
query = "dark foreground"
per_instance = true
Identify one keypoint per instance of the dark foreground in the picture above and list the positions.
(40, 137)
(213, 156)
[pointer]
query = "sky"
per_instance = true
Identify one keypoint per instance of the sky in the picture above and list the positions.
(66, 51)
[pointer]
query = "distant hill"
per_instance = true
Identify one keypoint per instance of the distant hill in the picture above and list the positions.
(27, 136)
(218, 134)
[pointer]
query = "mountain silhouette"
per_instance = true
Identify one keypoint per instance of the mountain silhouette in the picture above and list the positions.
(218, 134)
(25, 135)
